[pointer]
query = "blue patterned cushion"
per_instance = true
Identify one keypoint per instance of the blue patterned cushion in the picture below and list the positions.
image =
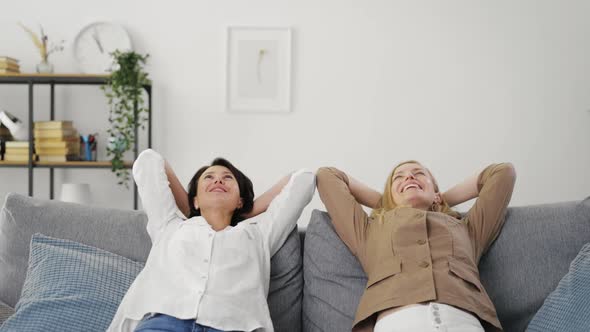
(70, 287)
(567, 308)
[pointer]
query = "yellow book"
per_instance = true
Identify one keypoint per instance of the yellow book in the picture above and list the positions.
(57, 145)
(71, 157)
(55, 133)
(17, 144)
(16, 151)
(4, 58)
(57, 151)
(9, 65)
(53, 124)
(17, 157)
(49, 141)
(9, 71)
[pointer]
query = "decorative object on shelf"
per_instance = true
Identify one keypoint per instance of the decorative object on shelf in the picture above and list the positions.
(258, 69)
(95, 43)
(17, 128)
(9, 65)
(124, 92)
(88, 147)
(41, 41)
(76, 193)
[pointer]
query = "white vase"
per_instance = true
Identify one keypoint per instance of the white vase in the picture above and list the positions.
(44, 67)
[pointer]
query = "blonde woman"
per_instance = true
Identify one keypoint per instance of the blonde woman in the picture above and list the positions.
(420, 256)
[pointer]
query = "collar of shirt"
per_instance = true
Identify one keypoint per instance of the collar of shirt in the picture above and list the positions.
(200, 221)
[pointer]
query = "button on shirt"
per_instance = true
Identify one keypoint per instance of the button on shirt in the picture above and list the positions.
(220, 279)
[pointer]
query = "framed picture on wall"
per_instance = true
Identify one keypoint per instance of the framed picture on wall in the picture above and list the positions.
(258, 74)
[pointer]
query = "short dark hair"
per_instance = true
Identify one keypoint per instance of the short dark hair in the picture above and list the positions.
(244, 183)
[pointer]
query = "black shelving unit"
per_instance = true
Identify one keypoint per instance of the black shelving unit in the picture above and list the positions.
(74, 79)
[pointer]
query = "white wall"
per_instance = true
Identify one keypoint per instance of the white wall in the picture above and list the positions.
(454, 84)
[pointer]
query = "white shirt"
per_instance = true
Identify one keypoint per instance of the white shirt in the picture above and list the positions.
(221, 279)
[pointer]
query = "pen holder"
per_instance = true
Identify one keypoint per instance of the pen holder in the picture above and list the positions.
(88, 147)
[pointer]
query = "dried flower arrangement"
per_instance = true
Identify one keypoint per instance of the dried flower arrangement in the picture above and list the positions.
(41, 41)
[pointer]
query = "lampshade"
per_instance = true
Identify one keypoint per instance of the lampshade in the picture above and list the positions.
(17, 128)
(76, 193)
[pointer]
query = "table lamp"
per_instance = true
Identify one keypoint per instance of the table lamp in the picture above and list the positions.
(76, 193)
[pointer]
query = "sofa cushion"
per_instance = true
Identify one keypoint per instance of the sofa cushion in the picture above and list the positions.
(118, 231)
(333, 278)
(71, 287)
(5, 312)
(286, 281)
(531, 255)
(568, 307)
(121, 232)
(524, 264)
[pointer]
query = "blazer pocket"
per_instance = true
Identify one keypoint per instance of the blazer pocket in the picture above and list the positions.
(465, 272)
(385, 270)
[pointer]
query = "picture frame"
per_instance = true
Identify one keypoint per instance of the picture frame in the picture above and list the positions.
(258, 69)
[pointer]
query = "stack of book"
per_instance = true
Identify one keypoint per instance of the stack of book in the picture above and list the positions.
(9, 65)
(56, 141)
(17, 151)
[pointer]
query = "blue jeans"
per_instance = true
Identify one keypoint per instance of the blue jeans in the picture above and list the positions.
(165, 323)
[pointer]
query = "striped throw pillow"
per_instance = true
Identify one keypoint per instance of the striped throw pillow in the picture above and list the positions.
(70, 287)
(567, 308)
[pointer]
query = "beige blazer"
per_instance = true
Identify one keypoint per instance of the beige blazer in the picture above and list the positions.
(416, 256)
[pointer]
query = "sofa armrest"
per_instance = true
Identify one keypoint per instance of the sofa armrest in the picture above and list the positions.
(5, 312)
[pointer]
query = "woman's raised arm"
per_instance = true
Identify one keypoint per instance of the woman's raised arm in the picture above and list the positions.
(180, 195)
(345, 210)
(486, 217)
(262, 202)
(463, 191)
(363, 194)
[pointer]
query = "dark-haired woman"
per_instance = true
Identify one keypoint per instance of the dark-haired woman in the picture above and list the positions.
(209, 272)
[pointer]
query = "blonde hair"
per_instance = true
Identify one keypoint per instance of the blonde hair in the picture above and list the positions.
(387, 203)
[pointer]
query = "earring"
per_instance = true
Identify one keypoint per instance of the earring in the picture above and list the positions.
(434, 207)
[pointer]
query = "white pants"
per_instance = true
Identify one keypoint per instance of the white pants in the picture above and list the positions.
(430, 317)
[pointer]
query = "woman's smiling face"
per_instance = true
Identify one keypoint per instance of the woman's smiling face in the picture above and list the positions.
(412, 185)
(218, 188)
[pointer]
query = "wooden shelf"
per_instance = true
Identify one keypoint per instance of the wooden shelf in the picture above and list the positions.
(70, 75)
(65, 164)
(30, 78)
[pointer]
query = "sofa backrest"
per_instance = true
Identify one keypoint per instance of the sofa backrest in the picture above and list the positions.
(333, 278)
(122, 232)
(119, 231)
(529, 257)
(523, 265)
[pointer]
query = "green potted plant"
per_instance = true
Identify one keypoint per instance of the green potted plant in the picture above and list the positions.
(124, 92)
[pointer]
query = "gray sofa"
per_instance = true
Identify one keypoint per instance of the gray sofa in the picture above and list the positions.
(315, 281)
